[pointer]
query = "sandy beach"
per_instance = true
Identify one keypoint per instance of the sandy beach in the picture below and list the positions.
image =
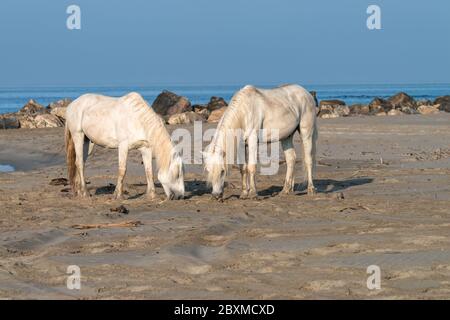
(384, 199)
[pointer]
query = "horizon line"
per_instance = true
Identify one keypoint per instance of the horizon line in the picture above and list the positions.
(218, 84)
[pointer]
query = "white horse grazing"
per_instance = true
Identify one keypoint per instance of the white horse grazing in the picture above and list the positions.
(286, 109)
(125, 123)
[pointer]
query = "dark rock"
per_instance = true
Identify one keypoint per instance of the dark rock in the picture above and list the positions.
(359, 109)
(444, 103)
(64, 103)
(333, 111)
(120, 209)
(409, 110)
(442, 100)
(9, 122)
(216, 103)
(379, 105)
(445, 107)
(331, 103)
(402, 100)
(33, 108)
(424, 103)
(168, 103)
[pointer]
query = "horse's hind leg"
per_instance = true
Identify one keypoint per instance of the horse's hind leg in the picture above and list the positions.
(147, 159)
(289, 154)
(123, 154)
(309, 153)
(80, 148)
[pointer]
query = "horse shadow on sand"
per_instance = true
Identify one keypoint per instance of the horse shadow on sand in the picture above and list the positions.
(110, 188)
(198, 188)
(325, 186)
(192, 188)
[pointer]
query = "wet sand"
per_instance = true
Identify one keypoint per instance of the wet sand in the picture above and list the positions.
(384, 199)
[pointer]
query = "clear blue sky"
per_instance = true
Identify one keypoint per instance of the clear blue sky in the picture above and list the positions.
(145, 42)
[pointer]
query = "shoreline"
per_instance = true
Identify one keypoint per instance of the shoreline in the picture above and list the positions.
(178, 109)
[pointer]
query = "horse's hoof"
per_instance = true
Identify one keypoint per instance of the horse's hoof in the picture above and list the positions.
(243, 196)
(253, 196)
(118, 197)
(286, 191)
(151, 196)
(312, 191)
(84, 195)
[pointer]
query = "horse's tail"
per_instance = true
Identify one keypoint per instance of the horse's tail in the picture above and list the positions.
(70, 157)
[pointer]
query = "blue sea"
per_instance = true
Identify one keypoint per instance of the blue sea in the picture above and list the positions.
(12, 99)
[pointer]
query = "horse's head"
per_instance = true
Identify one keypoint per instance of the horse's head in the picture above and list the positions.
(172, 179)
(216, 169)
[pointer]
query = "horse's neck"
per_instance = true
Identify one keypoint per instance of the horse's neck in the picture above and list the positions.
(231, 121)
(162, 146)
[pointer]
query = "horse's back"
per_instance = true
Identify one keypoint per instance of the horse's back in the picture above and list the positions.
(107, 120)
(281, 108)
(90, 103)
(289, 94)
(106, 106)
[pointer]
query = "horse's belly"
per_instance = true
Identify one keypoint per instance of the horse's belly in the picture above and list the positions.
(278, 130)
(281, 122)
(100, 134)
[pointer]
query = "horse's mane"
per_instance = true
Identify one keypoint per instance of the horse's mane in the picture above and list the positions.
(160, 141)
(233, 118)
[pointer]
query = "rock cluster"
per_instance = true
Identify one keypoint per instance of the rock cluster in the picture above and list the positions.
(211, 112)
(175, 110)
(33, 115)
(399, 104)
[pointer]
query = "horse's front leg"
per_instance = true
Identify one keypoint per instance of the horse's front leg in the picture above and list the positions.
(244, 177)
(123, 154)
(251, 166)
(290, 156)
(147, 159)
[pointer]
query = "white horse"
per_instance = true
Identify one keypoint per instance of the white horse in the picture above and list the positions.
(124, 123)
(285, 109)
